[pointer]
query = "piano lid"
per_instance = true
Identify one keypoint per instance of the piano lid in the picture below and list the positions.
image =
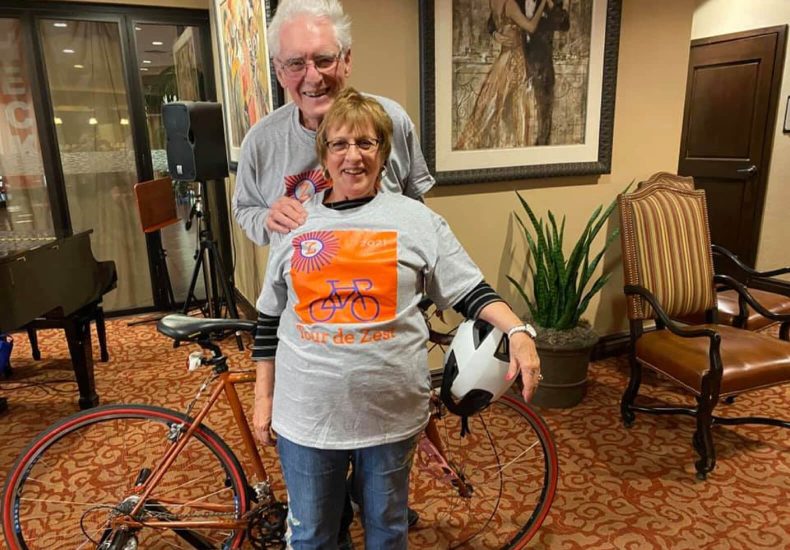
(14, 244)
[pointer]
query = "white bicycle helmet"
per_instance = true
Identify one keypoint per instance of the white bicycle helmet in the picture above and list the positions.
(475, 367)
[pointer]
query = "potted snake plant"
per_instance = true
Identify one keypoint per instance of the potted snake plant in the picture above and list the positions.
(562, 287)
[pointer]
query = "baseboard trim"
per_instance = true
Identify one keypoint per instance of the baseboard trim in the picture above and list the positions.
(245, 308)
(611, 345)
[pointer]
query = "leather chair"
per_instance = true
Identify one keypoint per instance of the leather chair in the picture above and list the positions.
(669, 274)
(772, 293)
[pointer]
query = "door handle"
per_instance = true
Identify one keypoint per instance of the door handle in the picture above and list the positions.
(751, 170)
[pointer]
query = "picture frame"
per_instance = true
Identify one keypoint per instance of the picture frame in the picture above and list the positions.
(249, 83)
(786, 126)
(466, 78)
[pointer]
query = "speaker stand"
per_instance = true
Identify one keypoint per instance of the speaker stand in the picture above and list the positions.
(208, 260)
(162, 280)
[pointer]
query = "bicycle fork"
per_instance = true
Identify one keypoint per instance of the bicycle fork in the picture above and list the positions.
(431, 445)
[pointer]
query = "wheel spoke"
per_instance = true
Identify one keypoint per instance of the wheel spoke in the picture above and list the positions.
(85, 469)
(504, 459)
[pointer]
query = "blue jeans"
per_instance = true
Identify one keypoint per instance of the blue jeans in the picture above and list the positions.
(316, 483)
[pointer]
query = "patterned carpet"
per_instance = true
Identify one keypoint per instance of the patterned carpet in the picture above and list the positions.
(618, 488)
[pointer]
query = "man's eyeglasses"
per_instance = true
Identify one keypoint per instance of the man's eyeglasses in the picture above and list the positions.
(297, 66)
(341, 146)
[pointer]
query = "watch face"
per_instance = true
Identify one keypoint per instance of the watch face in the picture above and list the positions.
(530, 330)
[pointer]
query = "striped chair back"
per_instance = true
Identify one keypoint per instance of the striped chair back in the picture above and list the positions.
(684, 182)
(667, 250)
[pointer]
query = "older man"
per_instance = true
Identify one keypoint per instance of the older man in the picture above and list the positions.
(310, 44)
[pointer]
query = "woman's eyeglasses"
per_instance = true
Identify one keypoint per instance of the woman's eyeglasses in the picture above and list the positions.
(341, 146)
(297, 66)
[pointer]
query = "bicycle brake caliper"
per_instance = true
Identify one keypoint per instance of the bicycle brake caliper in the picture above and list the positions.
(175, 432)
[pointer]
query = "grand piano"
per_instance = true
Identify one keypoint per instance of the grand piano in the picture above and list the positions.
(47, 282)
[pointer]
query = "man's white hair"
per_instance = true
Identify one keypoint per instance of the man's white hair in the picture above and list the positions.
(288, 10)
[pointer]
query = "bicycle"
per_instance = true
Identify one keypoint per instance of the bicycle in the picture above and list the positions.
(121, 477)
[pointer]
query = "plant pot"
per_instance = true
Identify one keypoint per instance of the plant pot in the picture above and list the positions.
(564, 370)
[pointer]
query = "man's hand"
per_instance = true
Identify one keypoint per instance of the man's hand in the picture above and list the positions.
(286, 214)
(262, 421)
(524, 358)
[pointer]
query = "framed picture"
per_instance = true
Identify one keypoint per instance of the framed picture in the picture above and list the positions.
(249, 85)
(185, 62)
(525, 95)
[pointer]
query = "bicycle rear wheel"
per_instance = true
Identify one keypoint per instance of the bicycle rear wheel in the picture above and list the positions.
(510, 462)
(81, 472)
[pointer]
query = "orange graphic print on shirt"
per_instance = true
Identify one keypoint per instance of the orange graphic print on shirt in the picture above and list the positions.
(305, 185)
(345, 276)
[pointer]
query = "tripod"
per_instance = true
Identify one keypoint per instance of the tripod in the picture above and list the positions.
(209, 261)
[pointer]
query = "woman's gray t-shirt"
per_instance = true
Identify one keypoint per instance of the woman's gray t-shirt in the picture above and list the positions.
(351, 366)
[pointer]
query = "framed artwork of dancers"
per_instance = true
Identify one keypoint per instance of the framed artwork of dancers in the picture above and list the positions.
(249, 85)
(514, 89)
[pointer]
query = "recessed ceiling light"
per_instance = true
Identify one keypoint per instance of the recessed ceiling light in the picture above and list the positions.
(157, 43)
(143, 68)
(67, 50)
(60, 25)
(58, 120)
(124, 122)
(92, 121)
(138, 29)
(147, 61)
(78, 66)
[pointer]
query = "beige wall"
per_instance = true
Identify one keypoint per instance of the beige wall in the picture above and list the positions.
(649, 107)
(714, 17)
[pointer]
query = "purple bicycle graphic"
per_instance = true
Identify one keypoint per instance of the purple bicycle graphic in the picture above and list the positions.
(363, 307)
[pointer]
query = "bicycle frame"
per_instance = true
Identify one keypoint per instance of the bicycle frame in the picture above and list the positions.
(227, 385)
(227, 381)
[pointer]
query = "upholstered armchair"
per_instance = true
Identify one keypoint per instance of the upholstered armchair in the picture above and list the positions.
(669, 275)
(772, 293)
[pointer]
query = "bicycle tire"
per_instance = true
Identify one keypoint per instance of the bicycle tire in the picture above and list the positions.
(513, 487)
(77, 471)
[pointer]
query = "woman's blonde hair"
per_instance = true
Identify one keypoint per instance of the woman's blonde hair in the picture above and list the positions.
(356, 111)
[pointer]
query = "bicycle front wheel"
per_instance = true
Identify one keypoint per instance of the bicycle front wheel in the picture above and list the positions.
(508, 470)
(80, 474)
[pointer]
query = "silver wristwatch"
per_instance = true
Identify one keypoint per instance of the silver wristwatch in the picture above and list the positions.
(526, 327)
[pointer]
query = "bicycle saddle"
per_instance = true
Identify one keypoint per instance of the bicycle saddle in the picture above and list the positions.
(183, 327)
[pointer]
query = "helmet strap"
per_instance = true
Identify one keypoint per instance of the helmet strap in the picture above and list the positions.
(452, 406)
(464, 426)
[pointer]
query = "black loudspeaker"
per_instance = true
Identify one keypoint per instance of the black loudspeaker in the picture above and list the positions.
(195, 140)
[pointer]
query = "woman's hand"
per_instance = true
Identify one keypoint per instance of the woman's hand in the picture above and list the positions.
(524, 359)
(523, 354)
(262, 421)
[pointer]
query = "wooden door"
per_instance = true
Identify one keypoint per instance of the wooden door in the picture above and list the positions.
(728, 123)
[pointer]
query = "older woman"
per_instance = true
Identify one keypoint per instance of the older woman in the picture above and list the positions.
(341, 295)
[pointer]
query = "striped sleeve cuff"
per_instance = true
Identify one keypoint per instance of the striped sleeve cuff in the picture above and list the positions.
(477, 298)
(265, 345)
